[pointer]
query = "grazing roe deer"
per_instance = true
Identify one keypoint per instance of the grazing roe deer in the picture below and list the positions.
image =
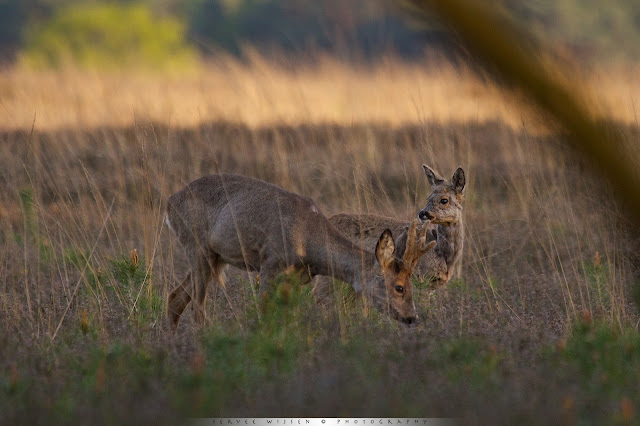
(245, 222)
(444, 212)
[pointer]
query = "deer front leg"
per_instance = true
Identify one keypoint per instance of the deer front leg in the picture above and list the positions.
(178, 300)
(268, 273)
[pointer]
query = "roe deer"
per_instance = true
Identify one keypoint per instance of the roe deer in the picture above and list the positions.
(237, 220)
(444, 212)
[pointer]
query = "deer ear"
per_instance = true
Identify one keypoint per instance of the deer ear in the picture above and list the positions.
(433, 177)
(385, 249)
(401, 243)
(458, 180)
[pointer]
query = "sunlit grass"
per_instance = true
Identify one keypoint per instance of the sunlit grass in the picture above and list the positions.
(262, 92)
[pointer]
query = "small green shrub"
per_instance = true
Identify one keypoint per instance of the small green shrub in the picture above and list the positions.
(133, 285)
(604, 361)
(108, 35)
(608, 359)
(469, 360)
(127, 271)
(96, 375)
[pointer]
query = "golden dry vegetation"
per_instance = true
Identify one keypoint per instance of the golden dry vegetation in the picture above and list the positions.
(260, 92)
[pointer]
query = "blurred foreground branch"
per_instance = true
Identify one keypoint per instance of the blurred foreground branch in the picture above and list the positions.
(509, 55)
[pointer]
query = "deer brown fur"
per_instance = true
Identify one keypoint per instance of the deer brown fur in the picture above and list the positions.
(251, 224)
(444, 224)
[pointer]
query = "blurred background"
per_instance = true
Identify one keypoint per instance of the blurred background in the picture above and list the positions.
(281, 61)
(49, 32)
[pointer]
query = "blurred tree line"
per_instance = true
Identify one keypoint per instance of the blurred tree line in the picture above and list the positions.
(349, 29)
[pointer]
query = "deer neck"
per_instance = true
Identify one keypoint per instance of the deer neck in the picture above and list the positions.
(450, 241)
(342, 259)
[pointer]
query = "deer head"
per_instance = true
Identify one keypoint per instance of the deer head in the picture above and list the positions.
(444, 205)
(398, 269)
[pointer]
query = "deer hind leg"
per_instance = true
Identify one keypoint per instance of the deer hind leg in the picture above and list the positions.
(178, 300)
(195, 284)
(215, 270)
(207, 268)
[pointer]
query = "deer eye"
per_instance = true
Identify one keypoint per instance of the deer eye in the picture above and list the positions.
(399, 289)
(444, 201)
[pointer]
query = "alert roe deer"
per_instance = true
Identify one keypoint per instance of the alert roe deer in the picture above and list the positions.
(241, 221)
(443, 210)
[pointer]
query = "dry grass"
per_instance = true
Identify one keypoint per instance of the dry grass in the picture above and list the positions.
(262, 93)
(545, 242)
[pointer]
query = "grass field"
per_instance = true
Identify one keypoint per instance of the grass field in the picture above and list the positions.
(539, 326)
(262, 93)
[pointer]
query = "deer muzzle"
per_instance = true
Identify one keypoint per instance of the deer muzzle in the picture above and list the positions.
(410, 320)
(424, 215)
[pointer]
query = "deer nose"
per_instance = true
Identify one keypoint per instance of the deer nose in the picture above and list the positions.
(425, 215)
(410, 320)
